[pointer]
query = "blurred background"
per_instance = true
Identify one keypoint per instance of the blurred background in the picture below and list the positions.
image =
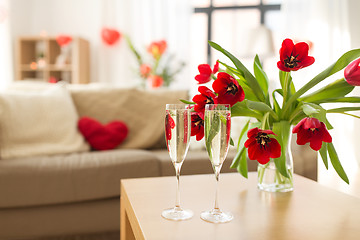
(243, 27)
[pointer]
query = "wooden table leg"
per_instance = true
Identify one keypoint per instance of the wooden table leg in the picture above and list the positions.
(126, 232)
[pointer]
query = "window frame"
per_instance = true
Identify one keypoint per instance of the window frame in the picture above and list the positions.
(209, 10)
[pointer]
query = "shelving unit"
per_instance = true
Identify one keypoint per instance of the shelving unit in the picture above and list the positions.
(37, 60)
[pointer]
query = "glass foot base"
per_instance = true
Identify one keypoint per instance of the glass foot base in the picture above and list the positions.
(177, 214)
(216, 216)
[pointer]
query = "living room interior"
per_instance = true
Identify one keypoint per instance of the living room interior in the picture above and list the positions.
(70, 66)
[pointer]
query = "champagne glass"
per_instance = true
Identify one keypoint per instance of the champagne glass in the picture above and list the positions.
(177, 131)
(217, 136)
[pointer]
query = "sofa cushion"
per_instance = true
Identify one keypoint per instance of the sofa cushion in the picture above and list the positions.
(39, 123)
(71, 177)
(143, 111)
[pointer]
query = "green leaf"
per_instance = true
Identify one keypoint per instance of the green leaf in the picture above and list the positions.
(335, 89)
(251, 80)
(262, 107)
(235, 71)
(260, 75)
(132, 48)
(241, 109)
(343, 109)
(242, 167)
(341, 63)
(277, 108)
(282, 130)
(232, 142)
(249, 93)
(340, 100)
(212, 127)
(186, 102)
(309, 110)
(336, 163)
(240, 160)
(323, 154)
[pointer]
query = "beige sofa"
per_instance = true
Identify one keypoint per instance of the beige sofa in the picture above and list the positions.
(75, 195)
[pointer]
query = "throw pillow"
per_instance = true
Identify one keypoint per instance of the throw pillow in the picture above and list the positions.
(143, 111)
(103, 137)
(38, 123)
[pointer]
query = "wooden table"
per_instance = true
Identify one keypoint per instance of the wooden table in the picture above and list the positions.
(311, 211)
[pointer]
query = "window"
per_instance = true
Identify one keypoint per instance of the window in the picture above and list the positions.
(228, 23)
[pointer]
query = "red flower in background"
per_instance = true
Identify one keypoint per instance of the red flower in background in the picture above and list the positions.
(156, 81)
(205, 72)
(206, 96)
(261, 146)
(169, 124)
(63, 40)
(145, 70)
(228, 89)
(352, 73)
(157, 48)
(110, 36)
(197, 125)
(293, 57)
(313, 131)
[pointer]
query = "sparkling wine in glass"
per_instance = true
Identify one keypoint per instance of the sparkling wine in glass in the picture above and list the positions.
(217, 136)
(177, 134)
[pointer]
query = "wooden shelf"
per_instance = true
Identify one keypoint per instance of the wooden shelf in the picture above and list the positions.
(33, 51)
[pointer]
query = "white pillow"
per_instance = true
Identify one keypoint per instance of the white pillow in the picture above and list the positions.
(39, 123)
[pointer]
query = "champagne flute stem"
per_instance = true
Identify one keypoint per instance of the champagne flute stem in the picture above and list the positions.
(217, 175)
(177, 170)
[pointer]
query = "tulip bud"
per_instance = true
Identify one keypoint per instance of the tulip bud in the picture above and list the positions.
(352, 73)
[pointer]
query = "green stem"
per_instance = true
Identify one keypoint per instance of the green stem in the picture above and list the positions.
(286, 88)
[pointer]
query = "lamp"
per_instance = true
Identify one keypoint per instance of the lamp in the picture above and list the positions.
(259, 41)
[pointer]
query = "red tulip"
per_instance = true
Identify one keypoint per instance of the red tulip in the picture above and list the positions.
(157, 48)
(261, 146)
(352, 73)
(294, 57)
(110, 36)
(169, 124)
(63, 40)
(197, 125)
(206, 96)
(313, 131)
(228, 89)
(156, 81)
(145, 70)
(205, 72)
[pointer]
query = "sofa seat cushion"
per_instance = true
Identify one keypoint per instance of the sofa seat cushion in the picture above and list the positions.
(71, 177)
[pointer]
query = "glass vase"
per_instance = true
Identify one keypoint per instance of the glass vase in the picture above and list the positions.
(269, 177)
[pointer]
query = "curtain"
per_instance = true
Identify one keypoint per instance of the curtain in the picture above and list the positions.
(6, 60)
(143, 21)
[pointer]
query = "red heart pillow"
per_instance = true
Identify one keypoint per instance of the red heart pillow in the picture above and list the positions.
(102, 137)
(110, 36)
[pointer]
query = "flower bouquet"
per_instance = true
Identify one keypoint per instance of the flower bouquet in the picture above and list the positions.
(278, 113)
(155, 70)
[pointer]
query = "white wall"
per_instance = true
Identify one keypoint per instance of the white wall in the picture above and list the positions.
(77, 18)
(86, 18)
